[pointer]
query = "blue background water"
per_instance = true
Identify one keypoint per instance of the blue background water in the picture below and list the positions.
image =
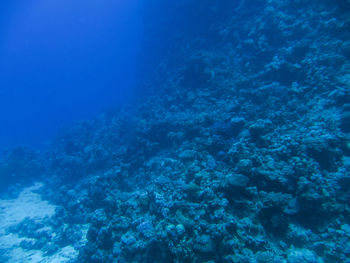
(62, 61)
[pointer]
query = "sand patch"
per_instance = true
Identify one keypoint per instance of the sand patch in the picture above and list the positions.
(28, 204)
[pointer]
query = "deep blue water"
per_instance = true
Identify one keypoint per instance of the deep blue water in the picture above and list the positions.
(62, 61)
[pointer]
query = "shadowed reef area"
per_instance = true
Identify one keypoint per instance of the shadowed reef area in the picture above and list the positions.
(240, 152)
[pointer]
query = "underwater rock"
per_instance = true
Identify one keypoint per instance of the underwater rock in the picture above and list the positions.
(302, 255)
(344, 182)
(229, 128)
(319, 150)
(346, 48)
(50, 249)
(204, 244)
(237, 180)
(244, 166)
(197, 71)
(188, 155)
(260, 128)
(146, 228)
(345, 121)
(104, 238)
(20, 166)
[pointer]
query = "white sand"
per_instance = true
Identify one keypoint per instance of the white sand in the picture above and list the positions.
(28, 204)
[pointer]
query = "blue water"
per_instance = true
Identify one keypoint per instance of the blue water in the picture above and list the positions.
(62, 61)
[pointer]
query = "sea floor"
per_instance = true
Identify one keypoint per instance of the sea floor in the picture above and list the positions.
(28, 205)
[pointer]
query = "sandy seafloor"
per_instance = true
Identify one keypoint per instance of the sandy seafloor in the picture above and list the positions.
(29, 204)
